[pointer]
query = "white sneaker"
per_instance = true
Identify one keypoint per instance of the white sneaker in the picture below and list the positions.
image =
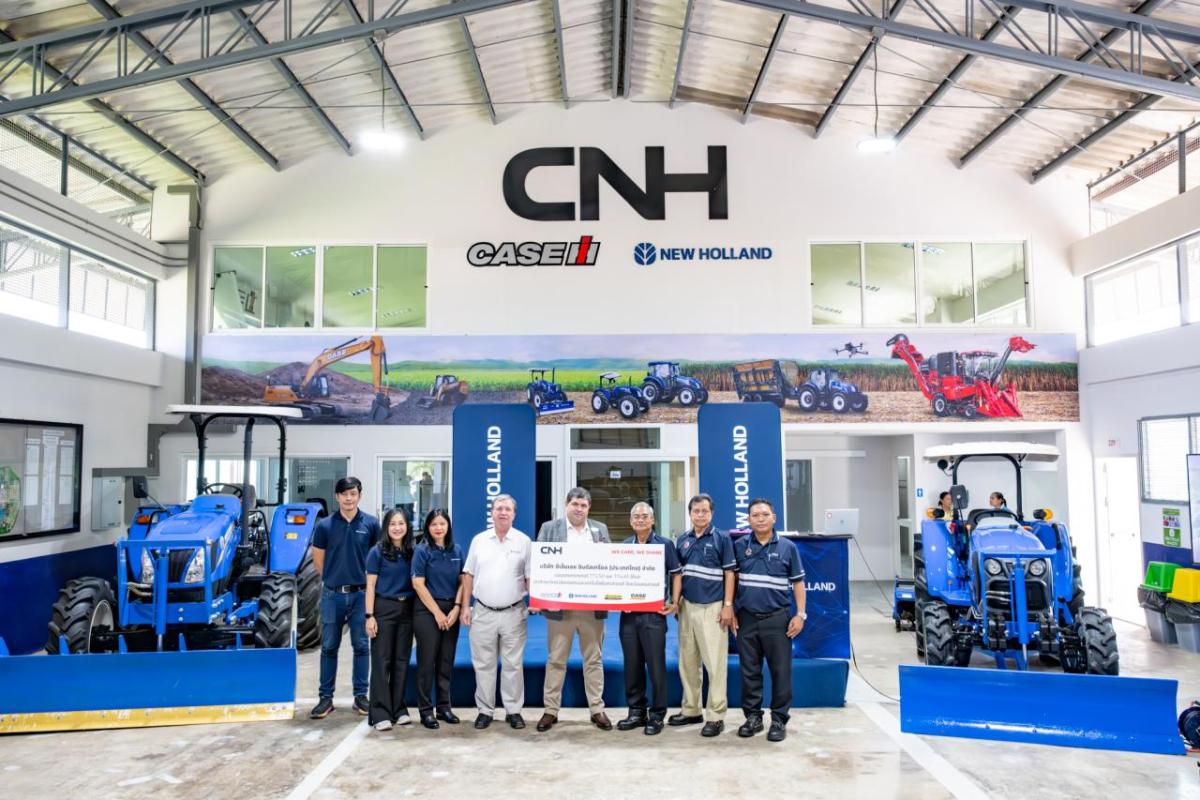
(404, 719)
(383, 725)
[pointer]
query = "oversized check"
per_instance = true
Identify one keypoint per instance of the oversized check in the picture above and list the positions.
(600, 577)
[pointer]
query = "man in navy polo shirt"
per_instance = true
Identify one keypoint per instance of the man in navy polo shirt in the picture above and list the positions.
(705, 611)
(770, 576)
(339, 547)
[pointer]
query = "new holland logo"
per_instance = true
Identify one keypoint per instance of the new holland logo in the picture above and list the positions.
(647, 253)
(534, 254)
(644, 254)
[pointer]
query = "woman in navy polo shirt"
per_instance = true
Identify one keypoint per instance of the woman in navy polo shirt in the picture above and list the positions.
(437, 580)
(389, 604)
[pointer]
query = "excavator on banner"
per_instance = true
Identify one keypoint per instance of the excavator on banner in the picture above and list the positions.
(308, 394)
(964, 383)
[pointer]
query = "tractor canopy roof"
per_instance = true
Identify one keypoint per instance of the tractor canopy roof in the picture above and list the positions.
(610, 376)
(667, 363)
(1018, 450)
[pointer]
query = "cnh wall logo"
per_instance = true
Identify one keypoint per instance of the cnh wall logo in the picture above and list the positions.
(594, 165)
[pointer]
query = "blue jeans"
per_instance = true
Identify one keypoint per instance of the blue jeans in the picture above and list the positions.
(338, 610)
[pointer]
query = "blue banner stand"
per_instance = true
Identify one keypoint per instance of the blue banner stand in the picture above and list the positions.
(494, 452)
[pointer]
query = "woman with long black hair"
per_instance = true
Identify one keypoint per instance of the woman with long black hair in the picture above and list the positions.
(437, 580)
(389, 605)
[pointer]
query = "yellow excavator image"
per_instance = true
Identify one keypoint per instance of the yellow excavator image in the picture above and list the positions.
(308, 393)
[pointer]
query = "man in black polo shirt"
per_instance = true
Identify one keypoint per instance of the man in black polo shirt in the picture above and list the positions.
(340, 544)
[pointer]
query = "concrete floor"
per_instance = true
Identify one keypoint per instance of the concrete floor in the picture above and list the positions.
(856, 751)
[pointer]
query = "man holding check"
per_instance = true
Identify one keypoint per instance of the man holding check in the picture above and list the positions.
(644, 633)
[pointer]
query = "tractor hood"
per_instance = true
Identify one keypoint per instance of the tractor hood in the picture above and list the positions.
(1004, 536)
(209, 517)
(690, 382)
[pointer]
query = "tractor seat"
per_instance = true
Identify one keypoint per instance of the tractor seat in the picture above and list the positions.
(249, 500)
(979, 514)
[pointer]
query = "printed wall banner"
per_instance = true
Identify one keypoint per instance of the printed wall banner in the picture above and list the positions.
(878, 376)
(600, 577)
(1172, 527)
(741, 458)
(493, 453)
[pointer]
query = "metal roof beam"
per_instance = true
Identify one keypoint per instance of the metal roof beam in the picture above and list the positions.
(298, 42)
(294, 83)
(487, 97)
(844, 89)
(199, 95)
(1053, 85)
(1120, 78)
(389, 77)
(1082, 145)
(683, 38)
(56, 151)
(122, 124)
(558, 43)
(766, 63)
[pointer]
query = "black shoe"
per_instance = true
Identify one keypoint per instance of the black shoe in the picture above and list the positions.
(777, 733)
(515, 721)
(654, 726)
(482, 721)
(322, 709)
(361, 705)
(683, 719)
(430, 721)
(751, 726)
(713, 728)
(636, 719)
(448, 716)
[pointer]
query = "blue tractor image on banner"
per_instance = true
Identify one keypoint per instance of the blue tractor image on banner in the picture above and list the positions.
(546, 396)
(996, 580)
(663, 383)
(628, 400)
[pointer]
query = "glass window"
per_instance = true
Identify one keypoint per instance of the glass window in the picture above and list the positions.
(1135, 298)
(227, 469)
(616, 485)
(401, 284)
(416, 485)
(1191, 254)
(798, 495)
(349, 285)
(615, 438)
(109, 302)
(31, 269)
(1164, 450)
(1000, 283)
(1192, 159)
(237, 287)
(291, 287)
(889, 294)
(1141, 184)
(947, 285)
(836, 284)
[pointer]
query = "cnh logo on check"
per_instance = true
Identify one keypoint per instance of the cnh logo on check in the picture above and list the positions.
(550, 549)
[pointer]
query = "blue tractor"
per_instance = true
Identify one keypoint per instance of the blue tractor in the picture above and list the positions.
(1006, 584)
(824, 388)
(663, 383)
(546, 396)
(209, 574)
(628, 399)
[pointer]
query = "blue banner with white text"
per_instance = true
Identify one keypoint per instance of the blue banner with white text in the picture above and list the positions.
(741, 458)
(493, 453)
(826, 632)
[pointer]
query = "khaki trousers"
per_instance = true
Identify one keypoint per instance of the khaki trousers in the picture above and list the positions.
(702, 641)
(499, 636)
(559, 634)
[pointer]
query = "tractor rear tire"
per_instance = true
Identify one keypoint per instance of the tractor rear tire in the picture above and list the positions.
(83, 605)
(940, 647)
(941, 406)
(628, 407)
(1095, 628)
(687, 396)
(807, 398)
(276, 611)
(650, 392)
(599, 403)
(308, 601)
(969, 411)
(1076, 604)
(919, 628)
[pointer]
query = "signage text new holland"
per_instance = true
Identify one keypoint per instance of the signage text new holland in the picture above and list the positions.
(647, 253)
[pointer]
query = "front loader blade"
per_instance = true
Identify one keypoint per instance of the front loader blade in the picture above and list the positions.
(1101, 712)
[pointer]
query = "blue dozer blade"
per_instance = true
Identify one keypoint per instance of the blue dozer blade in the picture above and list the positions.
(102, 681)
(1101, 712)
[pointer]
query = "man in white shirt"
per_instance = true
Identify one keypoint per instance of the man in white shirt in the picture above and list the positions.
(496, 575)
(562, 626)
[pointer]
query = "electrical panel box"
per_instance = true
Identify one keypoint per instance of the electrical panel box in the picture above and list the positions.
(108, 503)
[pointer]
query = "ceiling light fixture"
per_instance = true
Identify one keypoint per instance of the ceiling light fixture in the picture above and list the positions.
(876, 143)
(381, 141)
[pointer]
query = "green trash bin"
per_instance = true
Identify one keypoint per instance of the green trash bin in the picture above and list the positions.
(1160, 576)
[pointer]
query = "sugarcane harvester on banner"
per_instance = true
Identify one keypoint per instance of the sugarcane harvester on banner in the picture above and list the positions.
(964, 383)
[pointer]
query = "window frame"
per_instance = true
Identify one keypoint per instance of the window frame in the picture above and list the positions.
(1181, 281)
(318, 287)
(1026, 243)
(1190, 420)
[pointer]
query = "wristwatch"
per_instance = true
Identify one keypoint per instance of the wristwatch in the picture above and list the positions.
(728, 604)
(369, 616)
(802, 615)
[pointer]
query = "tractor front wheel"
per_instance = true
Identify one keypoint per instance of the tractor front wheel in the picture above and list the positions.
(650, 392)
(84, 605)
(687, 396)
(628, 407)
(308, 597)
(919, 628)
(703, 397)
(276, 611)
(941, 406)
(1094, 627)
(839, 402)
(940, 647)
(859, 403)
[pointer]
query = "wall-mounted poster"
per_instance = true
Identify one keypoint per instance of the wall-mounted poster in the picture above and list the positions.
(904, 376)
(40, 464)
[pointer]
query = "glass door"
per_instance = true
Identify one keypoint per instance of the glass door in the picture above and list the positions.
(904, 522)
(415, 484)
(798, 496)
(617, 484)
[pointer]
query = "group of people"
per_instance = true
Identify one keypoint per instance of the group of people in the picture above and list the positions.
(390, 592)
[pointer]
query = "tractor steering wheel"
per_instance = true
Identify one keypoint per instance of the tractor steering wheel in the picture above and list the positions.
(985, 513)
(218, 488)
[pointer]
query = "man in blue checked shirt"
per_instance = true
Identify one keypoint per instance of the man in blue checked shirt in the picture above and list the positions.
(769, 577)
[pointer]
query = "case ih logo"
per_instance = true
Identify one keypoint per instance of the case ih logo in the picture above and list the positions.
(535, 254)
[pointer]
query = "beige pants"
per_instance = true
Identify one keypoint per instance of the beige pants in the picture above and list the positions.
(498, 636)
(702, 641)
(559, 634)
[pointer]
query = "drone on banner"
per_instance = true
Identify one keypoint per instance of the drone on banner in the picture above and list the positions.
(851, 350)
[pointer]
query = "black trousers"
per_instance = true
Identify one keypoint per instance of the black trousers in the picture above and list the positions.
(759, 640)
(644, 644)
(390, 650)
(435, 657)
